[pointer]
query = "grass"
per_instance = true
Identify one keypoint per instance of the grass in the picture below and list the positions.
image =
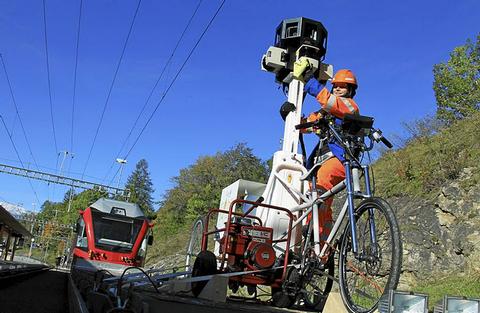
(454, 285)
(427, 163)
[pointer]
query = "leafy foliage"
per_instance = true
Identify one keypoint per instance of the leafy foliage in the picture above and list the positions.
(457, 83)
(141, 187)
(197, 189)
(65, 213)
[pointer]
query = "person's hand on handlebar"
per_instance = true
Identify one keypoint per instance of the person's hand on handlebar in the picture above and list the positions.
(314, 116)
(306, 130)
(311, 119)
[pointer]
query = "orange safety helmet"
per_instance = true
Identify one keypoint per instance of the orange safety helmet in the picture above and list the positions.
(345, 76)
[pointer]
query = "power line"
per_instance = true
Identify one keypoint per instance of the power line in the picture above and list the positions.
(16, 110)
(12, 129)
(75, 76)
(155, 86)
(111, 86)
(18, 156)
(48, 76)
(173, 81)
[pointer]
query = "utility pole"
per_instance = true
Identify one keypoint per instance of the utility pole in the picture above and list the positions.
(70, 196)
(32, 240)
(65, 153)
(122, 162)
(59, 172)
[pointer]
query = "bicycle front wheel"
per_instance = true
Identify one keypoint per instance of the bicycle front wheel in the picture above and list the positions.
(195, 243)
(375, 270)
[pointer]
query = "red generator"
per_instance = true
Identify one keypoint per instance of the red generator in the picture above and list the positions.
(246, 250)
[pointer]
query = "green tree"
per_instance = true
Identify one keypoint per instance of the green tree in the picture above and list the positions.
(457, 83)
(198, 187)
(141, 187)
(51, 210)
(79, 202)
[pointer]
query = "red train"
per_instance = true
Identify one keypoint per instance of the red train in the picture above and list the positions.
(111, 235)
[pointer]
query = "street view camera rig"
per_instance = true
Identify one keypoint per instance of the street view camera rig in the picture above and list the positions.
(295, 38)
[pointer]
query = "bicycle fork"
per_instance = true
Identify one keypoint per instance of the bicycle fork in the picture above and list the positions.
(353, 191)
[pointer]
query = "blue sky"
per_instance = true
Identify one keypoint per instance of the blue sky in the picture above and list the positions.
(221, 98)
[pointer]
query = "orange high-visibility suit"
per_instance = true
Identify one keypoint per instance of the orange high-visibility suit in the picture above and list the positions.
(332, 171)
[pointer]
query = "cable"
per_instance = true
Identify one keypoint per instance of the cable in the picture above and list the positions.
(18, 156)
(75, 76)
(48, 77)
(18, 113)
(111, 87)
(12, 129)
(119, 284)
(154, 87)
(172, 82)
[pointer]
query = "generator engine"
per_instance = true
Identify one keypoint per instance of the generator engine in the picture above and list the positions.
(249, 246)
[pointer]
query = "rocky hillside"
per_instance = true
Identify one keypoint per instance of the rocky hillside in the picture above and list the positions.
(441, 236)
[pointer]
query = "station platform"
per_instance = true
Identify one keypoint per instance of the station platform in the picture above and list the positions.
(10, 269)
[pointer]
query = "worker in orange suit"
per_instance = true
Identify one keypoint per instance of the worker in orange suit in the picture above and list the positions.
(337, 102)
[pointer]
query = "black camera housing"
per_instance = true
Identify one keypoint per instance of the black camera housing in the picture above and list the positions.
(294, 33)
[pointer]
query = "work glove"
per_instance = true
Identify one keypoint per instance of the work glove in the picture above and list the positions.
(300, 67)
(303, 120)
(314, 116)
(313, 87)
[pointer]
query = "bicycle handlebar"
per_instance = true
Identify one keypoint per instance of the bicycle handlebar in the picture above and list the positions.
(386, 142)
(377, 134)
(305, 125)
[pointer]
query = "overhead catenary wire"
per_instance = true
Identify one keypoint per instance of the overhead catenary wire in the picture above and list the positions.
(75, 76)
(111, 86)
(17, 111)
(18, 156)
(169, 60)
(12, 129)
(72, 120)
(48, 76)
(172, 83)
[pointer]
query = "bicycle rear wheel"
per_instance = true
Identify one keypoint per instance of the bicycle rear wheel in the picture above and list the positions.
(376, 269)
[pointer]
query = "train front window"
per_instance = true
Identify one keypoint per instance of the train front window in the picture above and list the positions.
(81, 235)
(115, 233)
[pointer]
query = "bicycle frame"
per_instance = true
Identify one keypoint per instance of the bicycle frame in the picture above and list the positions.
(351, 183)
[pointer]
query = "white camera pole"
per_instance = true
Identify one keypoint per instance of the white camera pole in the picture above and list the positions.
(291, 135)
(287, 168)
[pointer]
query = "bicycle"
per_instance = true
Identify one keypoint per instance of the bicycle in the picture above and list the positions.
(366, 236)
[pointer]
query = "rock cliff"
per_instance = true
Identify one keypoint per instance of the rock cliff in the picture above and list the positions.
(440, 236)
